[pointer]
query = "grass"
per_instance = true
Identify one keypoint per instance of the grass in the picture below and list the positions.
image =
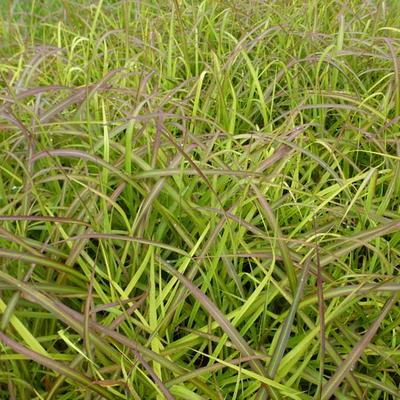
(199, 200)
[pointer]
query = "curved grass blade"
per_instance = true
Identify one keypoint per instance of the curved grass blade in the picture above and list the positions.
(40, 260)
(352, 358)
(56, 366)
(241, 344)
(75, 320)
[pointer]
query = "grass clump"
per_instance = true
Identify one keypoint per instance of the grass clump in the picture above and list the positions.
(199, 200)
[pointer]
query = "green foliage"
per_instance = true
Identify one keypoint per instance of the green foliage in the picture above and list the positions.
(199, 200)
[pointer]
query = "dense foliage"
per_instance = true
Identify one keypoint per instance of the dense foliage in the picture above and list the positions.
(199, 200)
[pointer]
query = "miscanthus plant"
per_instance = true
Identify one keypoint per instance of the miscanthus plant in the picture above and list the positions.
(199, 199)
